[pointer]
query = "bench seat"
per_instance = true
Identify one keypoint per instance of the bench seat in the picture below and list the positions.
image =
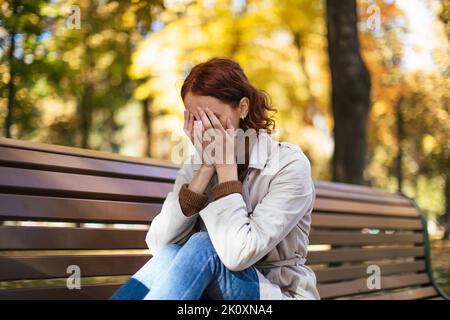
(62, 206)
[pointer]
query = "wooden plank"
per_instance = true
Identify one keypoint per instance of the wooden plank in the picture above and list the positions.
(46, 267)
(359, 286)
(333, 205)
(57, 183)
(364, 198)
(345, 255)
(51, 148)
(353, 272)
(354, 238)
(101, 291)
(347, 221)
(353, 188)
(410, 294)
(42, 208)
(38, 160)
(58, 238)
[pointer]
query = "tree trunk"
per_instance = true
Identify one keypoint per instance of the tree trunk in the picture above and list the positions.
(11, 88)
(446, 216)
(114, 144)
(85, 107)
(400, 136)
(350, 92)
(312, 101)
(147, 119)
(85, 115)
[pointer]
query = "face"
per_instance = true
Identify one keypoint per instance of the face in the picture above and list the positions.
(219, 108)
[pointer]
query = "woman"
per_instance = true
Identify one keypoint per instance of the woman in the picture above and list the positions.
(230, 229)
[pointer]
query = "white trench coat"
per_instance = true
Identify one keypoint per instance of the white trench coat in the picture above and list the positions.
(266, 227)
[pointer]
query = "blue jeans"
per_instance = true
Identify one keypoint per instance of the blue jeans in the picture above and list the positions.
(190, 271)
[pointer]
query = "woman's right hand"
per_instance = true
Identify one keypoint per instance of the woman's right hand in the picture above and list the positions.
(201, 179)
(196, 136)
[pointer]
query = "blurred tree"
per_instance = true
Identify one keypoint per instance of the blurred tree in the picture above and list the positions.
(350, 92)
(95, 60)
(304, 19)
(420, 97)
(22, 26)
(445, 18)
(444, 15)
(381, 27)
(260, 36)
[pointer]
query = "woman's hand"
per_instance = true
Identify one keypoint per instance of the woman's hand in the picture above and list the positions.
(195, 133)
(201, 179)
(224, 138)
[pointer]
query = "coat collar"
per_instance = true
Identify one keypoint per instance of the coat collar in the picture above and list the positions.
(259, 147)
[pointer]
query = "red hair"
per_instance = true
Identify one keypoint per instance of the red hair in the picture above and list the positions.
(225, 80)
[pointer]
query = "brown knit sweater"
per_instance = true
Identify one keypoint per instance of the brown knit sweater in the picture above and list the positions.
(192, 202)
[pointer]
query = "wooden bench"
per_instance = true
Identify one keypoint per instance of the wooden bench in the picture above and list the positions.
(353, 227)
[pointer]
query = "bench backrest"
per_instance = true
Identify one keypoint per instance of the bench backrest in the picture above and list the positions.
(98, 207)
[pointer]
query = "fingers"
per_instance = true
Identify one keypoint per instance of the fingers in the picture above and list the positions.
(196, 121)
(185, 125)
(214, 121)
(204, 118)
(197, 130)
(190, 123)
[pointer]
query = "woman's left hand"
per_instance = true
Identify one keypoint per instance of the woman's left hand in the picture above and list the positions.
(225, 163)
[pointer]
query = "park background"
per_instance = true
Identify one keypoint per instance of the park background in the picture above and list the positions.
(106, 75)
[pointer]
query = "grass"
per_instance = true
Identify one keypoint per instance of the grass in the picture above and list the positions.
(440, 260)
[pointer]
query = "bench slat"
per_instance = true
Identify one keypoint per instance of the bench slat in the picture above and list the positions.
(83, 165)
(66, 238)
(353, 238)
(101, 291)
(347, 221)
(47, 267)
(42, 208)
(360, 285)
(325, 204)
(57, 149)
(58, 238)
(364, 198)
(355, 189)
(411, 294)
(362, 254)
(76, 185)
(353, 272)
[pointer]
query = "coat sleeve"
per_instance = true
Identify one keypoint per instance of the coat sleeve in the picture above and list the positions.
(241, 240)
(171, 225)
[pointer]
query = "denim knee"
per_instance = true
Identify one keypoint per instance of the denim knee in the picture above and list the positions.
(161, 260)
(201, 243)
(157, 264)
(168, 251)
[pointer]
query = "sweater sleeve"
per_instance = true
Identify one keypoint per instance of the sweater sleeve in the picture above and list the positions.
(190, 201)
(240, 239)
(225, 188)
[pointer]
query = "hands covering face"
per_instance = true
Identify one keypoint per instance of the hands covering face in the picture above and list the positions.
(212, 141)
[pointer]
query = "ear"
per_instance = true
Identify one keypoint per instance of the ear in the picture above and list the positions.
(244, 105)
